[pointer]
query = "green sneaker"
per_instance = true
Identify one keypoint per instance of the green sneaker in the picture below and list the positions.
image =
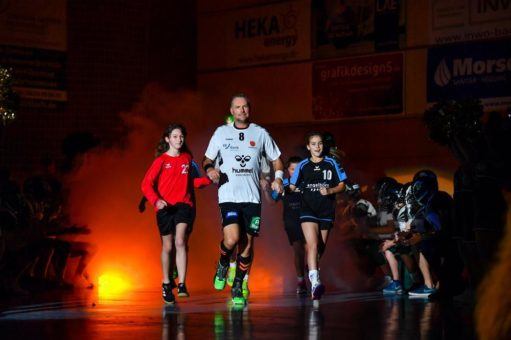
(237, 294)
(244, 289)
(174, 273)
(219, 279)
(230, 275)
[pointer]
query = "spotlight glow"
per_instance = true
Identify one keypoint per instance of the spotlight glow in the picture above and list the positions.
(112, 283)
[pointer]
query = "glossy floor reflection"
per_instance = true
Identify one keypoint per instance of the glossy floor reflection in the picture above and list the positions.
(141, 315)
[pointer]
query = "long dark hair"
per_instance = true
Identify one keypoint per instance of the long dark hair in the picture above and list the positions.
(163, 146)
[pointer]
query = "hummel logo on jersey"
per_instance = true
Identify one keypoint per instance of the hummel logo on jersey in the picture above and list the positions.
(317, 168)
(168, 165)
(242, 159)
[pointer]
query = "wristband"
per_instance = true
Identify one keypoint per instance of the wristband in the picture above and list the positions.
(207, 166)
(279, 174)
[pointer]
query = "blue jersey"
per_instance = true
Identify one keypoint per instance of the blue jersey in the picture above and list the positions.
(312, 176)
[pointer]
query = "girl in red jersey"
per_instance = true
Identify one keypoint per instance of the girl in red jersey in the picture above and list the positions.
(168, 186)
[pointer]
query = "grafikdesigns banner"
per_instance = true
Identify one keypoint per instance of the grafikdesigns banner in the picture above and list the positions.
(357, 87)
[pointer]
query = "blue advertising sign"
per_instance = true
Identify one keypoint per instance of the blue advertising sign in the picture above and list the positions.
(478, 70)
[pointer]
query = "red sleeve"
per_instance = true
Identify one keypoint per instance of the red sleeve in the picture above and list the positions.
(148, 183)
(201, 182)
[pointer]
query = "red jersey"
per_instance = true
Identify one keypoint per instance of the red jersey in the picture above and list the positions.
(173, 177)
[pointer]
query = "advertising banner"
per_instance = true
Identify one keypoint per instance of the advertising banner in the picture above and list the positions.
(259, 35)
(33, 45)
(455, 21)
(341, 28)
(477, 70)
(358, 87)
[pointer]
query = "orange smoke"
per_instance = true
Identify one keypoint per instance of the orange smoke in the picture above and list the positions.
(105, 192)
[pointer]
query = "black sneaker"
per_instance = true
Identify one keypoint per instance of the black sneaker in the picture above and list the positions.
(168, 297)
(181, 290)
(220, 279)
(237, 293)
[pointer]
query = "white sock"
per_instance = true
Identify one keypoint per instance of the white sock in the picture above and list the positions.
(232, 264)
(314, 277)
(245, 278)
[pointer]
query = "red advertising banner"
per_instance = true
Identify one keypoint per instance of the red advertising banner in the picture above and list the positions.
(357, 87)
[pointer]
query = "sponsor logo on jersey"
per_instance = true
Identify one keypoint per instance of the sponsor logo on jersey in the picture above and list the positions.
(242, 160)
(228, 146)
(316, 186)
(242, 171)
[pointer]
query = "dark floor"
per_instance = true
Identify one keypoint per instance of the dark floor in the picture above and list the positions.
(81, 314)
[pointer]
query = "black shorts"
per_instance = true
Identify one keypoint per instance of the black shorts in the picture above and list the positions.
(321, 212)
(168, 217)
(246, 215)
(294, 231)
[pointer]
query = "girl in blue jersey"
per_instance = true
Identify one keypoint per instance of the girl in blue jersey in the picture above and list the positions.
(319, 178)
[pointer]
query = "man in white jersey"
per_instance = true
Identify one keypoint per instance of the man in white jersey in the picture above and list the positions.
(238, 147)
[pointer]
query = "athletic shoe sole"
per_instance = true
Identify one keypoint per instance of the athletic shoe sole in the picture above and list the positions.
(422, 295)
(169, 302)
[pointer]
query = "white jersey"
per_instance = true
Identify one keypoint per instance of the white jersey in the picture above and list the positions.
(239, 153)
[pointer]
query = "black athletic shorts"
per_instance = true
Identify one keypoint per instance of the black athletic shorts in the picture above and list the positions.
(246, 215)
(321, 212)
(168, 217)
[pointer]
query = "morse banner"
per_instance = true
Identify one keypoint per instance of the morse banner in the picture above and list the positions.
(475, 70)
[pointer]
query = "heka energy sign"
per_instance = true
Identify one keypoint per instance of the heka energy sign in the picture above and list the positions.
(266, 34)
(273, 30)
(473, 70)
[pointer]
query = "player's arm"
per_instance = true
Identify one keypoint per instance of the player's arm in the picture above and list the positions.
(278, 182)
(333, 190)
(199, 181)
(209, 168)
